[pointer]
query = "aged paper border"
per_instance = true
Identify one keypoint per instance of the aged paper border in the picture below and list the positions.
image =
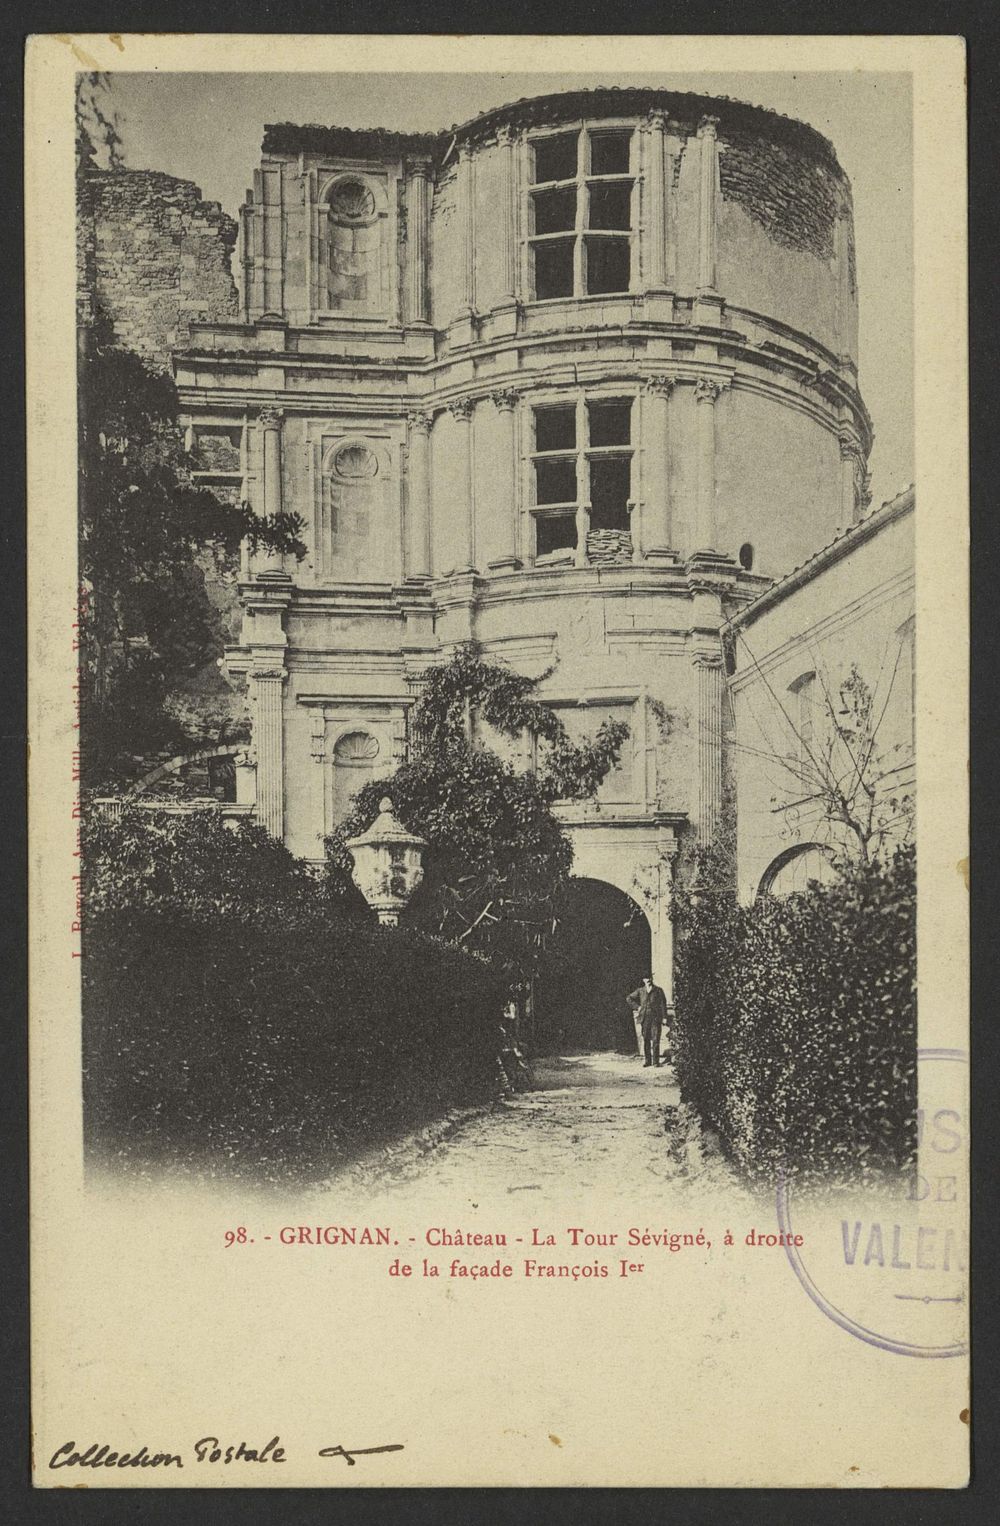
(937, 66)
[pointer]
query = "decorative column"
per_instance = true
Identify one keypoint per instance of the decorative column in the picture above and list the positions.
(467, 226)
(270, 748)
(270, 423)
(271, 563)
(507, 560)
(673, 148)
(708, 147)
(657, 530)
(710, 680)
(462, 411)
(417, 202)
(507, 219)
(418, 508)
(855, 480)
(706, 391)
(655, 225)
(848, 449)
(841, 229)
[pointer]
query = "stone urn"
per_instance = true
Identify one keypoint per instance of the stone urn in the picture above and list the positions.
(388, 864)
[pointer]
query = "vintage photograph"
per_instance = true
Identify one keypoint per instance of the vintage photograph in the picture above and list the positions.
(497, 669)
(498, 518)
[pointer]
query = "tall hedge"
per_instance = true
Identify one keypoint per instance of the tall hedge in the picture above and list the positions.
(236, 1021)
(795, 1029)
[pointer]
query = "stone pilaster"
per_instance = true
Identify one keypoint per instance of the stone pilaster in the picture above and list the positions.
(655, 181)
(417, 222)
(418, 508)
(268, 253)
(673, 149)
(467, 225)
(505, 402)
(708, 667)
(708, 148)
(707, 392)
(462, 411)
(657, 509)
(270, 423)
(844, 300)
(270, 564)
(506, 222)
(269, 745)
(855, 480)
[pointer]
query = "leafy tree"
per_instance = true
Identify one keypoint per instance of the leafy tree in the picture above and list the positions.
(98, 130)
(498, 856)
(147, 622)
(193, 867)
(842, 769)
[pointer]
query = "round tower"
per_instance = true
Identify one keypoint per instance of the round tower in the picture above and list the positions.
(571, 380)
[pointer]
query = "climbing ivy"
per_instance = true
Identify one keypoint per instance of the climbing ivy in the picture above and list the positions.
(148, 623)
(455, 693)
(498, 856)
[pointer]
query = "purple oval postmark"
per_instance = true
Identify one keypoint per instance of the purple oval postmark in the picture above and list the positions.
(891, 1271)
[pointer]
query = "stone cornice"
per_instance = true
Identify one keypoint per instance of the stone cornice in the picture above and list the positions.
(686, 109)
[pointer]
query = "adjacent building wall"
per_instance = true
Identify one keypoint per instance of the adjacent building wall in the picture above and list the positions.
(852, 604)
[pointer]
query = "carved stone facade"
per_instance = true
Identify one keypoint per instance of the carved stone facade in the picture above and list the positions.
(554, 383)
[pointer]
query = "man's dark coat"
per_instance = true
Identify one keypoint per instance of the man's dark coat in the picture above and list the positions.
(650, 1007)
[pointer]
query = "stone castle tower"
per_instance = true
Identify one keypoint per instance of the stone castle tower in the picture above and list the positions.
(574, 380)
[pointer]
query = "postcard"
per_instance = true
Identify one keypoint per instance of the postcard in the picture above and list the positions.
(498, 730)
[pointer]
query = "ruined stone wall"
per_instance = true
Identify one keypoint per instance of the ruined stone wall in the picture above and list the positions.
(152, 257)
(792, 195)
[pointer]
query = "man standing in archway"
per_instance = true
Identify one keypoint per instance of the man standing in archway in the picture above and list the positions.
(649, 1006)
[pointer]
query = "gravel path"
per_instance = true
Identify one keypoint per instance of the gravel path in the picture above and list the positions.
(594, 1125)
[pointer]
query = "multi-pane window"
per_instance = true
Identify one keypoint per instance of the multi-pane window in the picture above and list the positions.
(582, 462)
(217, 452)
(581, 213)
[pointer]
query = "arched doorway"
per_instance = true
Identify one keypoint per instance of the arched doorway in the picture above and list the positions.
(796, 868)
(598, 953)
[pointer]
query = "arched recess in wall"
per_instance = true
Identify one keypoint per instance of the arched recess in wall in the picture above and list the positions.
(793, 869)
(359, 533)
(355, 758)
(353, 255)
(211, 771)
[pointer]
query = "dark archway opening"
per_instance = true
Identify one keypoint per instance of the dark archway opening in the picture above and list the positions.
(598, 953)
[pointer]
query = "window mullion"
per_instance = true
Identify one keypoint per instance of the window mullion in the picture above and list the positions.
(582, 480)
(582, 204)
